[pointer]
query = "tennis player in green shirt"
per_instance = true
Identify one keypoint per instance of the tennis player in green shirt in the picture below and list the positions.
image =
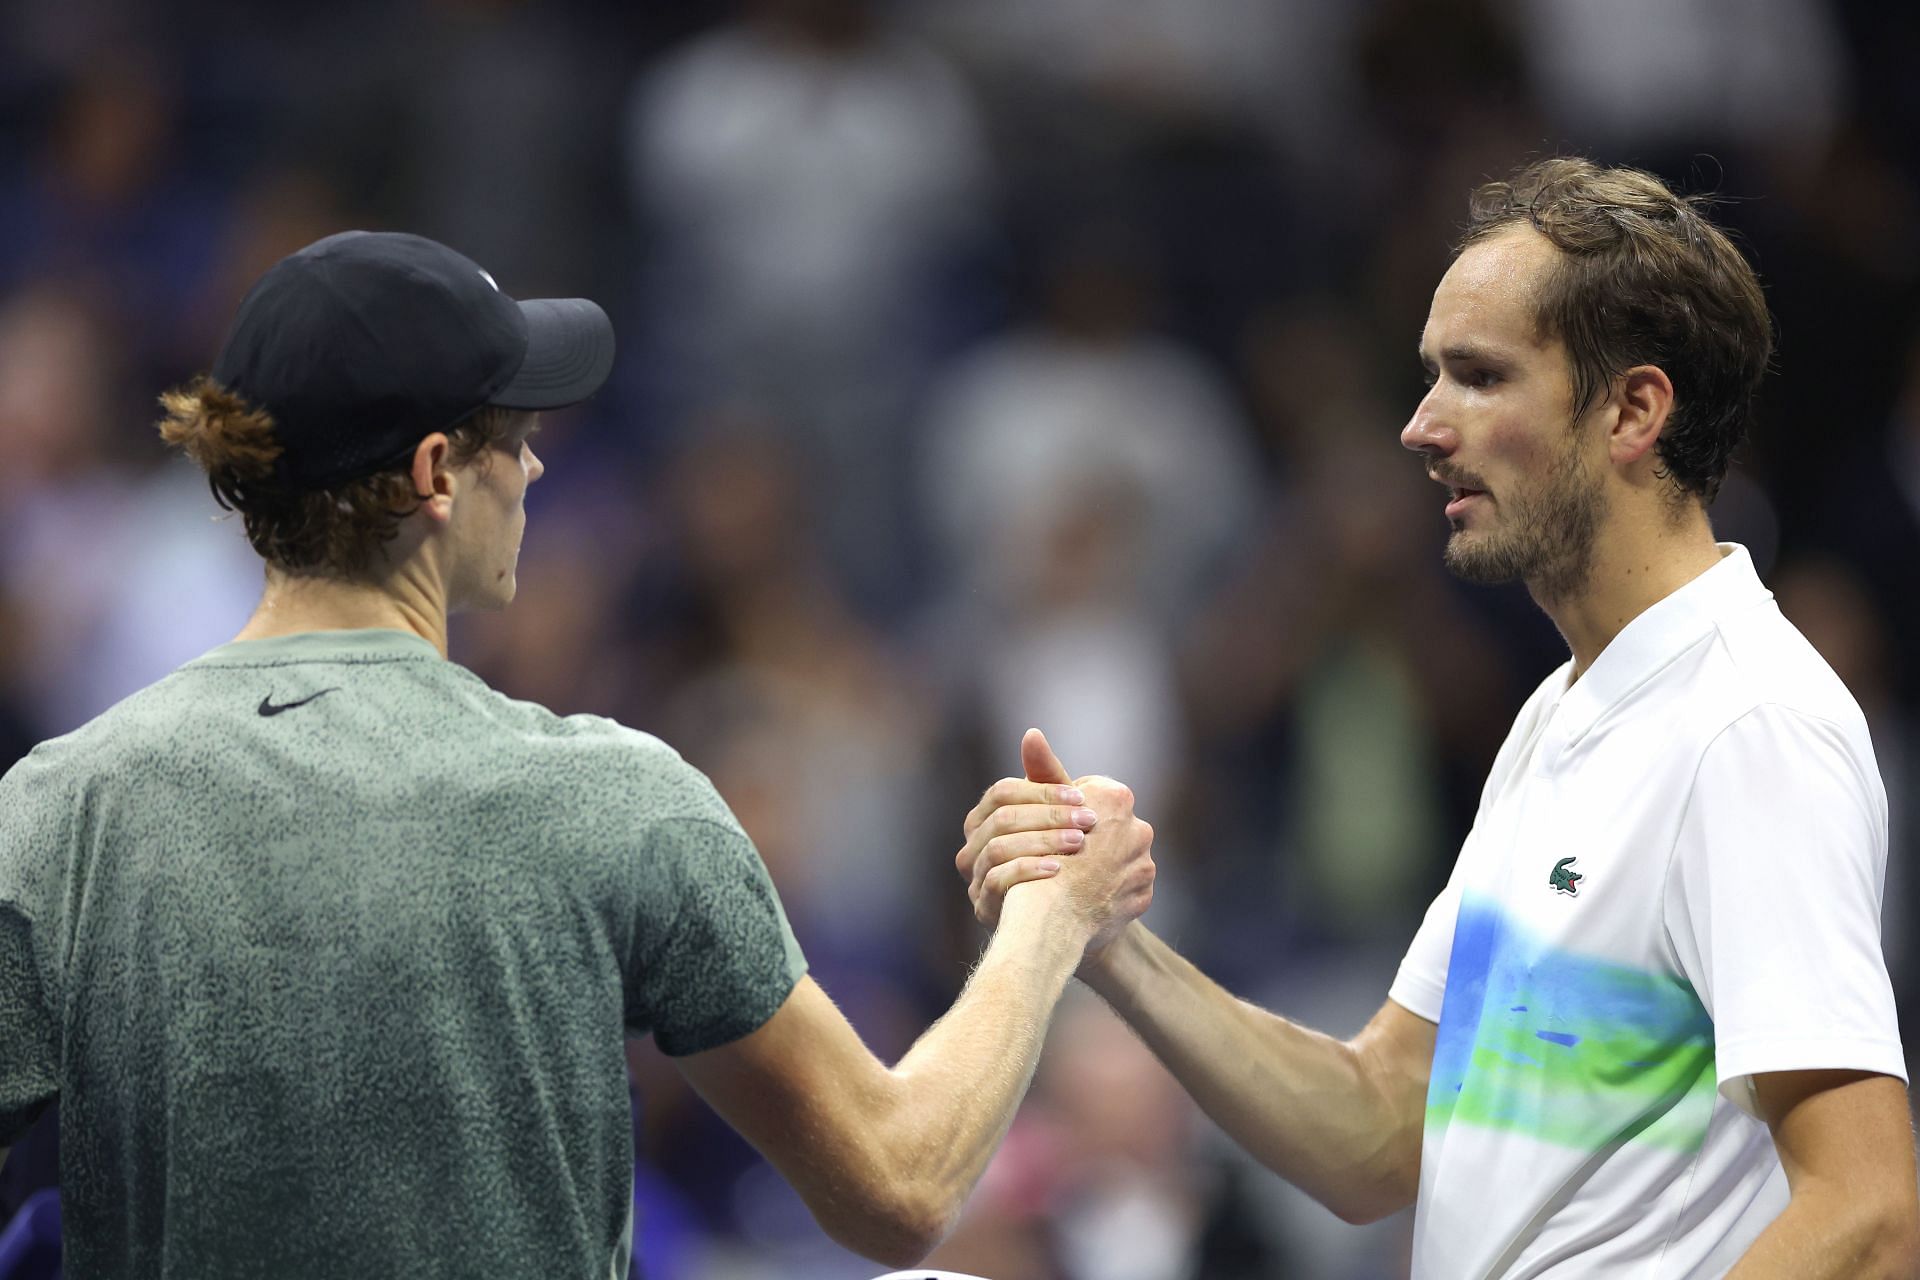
(329, 951)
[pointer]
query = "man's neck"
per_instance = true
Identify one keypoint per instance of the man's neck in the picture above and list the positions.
(292, 605)
(1636, 565)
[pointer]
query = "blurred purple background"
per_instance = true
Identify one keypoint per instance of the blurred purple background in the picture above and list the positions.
(983, 364)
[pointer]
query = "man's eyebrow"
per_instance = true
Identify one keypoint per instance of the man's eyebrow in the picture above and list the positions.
(1467, 353)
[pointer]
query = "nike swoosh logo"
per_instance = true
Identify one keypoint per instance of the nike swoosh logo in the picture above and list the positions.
(269, 708)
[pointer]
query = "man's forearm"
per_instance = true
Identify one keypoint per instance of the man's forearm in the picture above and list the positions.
(1830, 1237)
(952, 1097)
(1327, 1115)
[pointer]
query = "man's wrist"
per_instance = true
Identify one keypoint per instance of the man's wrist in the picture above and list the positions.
(1101, 969)
(1039, 915)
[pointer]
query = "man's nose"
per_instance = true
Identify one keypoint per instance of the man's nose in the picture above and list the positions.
(1427, 433)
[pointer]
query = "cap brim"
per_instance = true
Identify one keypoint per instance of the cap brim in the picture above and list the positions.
(569, 355)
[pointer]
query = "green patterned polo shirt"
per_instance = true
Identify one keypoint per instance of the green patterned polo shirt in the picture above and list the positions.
(329, 952)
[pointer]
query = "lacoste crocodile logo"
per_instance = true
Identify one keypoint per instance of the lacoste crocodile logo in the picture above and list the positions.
(268, 707)
(1565, 879)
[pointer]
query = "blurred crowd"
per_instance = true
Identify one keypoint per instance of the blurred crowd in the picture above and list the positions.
(983, 364)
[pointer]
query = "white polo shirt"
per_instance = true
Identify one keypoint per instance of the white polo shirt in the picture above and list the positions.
(1673, 884)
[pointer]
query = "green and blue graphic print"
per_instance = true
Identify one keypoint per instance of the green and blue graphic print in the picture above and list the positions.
(1566, 1048)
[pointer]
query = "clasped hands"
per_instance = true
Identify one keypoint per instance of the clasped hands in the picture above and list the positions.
(1047, 826)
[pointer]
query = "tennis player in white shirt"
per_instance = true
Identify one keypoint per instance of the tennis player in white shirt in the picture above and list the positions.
(1646, 1031)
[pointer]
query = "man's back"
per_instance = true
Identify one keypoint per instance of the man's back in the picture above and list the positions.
(337, 948)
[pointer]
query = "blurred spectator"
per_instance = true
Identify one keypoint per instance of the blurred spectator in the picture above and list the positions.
(1085, 478)
(127, 569)
(798, 711)
(111, 210)
(1141, 61)
(807, 175)
(1086, 416)
(501, 145)
(1173, 115)
(1675, 77)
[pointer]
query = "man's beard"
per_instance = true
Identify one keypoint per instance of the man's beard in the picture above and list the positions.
(1545, 539)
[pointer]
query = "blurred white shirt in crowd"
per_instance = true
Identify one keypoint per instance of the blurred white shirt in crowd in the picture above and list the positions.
(1036, 433)
(799, 188)
(1688, 72)
(124, 581)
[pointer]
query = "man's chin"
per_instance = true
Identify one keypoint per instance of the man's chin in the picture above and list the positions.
(1477, 558)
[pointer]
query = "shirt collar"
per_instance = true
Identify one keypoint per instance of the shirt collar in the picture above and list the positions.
(379, 644)
(1658, 635)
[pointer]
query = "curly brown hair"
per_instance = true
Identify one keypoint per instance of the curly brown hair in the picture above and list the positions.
(337, 532)
(1643, 278)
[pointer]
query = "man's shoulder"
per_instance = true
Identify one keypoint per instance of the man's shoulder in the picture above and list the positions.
(1759, 691)
(123, 730)
(598, 761)
(1765, 660)
(1757, 666)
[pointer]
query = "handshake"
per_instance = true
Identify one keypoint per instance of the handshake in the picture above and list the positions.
(1076, 840)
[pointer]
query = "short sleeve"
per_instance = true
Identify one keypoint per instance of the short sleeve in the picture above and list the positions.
(1420, 987)
(1773, 902)
(713, 955)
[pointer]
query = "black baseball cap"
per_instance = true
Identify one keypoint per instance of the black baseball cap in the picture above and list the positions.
(364, 343)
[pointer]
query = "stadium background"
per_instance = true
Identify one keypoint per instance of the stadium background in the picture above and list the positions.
(982, 364)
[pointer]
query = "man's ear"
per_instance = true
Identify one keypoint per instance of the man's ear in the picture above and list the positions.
(1644, 398)
(433, 478)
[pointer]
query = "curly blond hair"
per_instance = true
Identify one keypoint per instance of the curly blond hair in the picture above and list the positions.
(338, 532)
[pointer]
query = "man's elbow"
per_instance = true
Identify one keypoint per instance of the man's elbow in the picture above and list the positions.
(1895, 1241)
(1368, 1200)
(1360, 1211)
(896, 1227)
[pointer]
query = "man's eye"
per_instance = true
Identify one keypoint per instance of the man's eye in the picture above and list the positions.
(1481, 378)
(1428, 377)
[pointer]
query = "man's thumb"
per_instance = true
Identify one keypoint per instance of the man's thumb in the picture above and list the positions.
(1037, 758)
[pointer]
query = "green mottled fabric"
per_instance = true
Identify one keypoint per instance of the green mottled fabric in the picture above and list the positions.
(343, 990)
